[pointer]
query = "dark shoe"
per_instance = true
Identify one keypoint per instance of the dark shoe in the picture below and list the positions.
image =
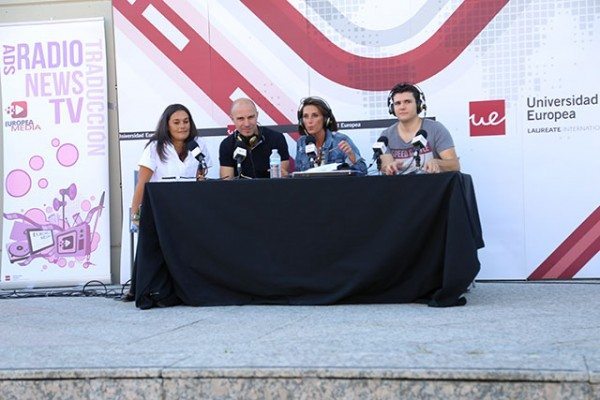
(127, 297)
(169, 301)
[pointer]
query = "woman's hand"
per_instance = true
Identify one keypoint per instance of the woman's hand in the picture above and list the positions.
(347, 149)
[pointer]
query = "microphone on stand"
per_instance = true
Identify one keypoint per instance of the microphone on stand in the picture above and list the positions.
(311, 150)
(239, 155)
(379, 148)
(419, 142)
(193, 147)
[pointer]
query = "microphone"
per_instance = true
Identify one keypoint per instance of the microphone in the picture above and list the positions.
(420, 139)
(193, 147)
(380, 147)
(419, 142)
(239, 155)
(311, 150)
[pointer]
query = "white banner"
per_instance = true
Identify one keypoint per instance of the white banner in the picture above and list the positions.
(514, 82)
(55, 131)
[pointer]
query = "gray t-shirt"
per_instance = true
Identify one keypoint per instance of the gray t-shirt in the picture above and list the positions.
(438, 140)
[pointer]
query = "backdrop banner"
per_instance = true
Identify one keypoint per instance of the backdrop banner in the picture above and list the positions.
(55, 135)
(515, 83)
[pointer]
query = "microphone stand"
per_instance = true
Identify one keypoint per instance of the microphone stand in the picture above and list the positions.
(379, 165)
(239, 169)
(202, 169)
(417, 158)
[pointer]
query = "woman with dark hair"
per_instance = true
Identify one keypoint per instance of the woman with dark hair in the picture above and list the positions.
(167, 154)
(319, 128)
(170, 153)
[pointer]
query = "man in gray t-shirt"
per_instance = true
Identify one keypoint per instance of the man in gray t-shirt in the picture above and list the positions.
(405, 101)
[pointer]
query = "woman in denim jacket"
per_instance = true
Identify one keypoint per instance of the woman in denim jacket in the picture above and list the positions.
(325, 145)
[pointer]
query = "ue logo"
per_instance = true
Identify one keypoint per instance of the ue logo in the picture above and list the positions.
(487, 118)
(17, 109)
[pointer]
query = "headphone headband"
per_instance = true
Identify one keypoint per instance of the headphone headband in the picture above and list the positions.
(328, 118)
(407, 87)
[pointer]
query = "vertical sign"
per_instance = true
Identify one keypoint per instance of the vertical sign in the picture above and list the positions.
(55, 132)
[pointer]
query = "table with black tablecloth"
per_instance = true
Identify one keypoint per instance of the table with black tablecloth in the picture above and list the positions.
(308, 241)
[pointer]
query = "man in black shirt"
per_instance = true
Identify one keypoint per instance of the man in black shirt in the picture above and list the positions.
(258, 142)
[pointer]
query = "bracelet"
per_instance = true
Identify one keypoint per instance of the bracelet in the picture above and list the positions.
(135, 216)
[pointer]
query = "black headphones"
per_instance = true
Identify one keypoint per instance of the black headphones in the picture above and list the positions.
(329, 121)
(407, 87)
(250, 141)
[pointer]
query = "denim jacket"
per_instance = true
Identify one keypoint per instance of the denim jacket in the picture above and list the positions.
(331, 152)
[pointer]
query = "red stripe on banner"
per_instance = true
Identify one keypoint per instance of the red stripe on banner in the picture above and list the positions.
(446, 44)
(198, 60)
(574, 253)
(582, 260)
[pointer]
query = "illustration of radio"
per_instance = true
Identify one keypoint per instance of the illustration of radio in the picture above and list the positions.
(31, 239)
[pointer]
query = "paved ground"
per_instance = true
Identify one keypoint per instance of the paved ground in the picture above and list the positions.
(551, 328)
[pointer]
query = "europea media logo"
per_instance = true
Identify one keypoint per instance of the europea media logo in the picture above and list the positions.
(17, 109)
(18, 121)
(487, 118)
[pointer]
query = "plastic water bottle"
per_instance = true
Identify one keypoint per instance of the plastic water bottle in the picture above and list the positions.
(275, 164)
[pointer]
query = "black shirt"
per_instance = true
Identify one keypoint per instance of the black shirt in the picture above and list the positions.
(256, 163)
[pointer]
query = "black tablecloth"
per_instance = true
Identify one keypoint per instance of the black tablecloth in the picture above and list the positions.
(377, 239)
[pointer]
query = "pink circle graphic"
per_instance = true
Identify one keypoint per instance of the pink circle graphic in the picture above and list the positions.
(86, 205)
(67, 155)
(55, 142)
(62, 262)
(36, 163)
(43, 183)
(18, 183)
(37, 215)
